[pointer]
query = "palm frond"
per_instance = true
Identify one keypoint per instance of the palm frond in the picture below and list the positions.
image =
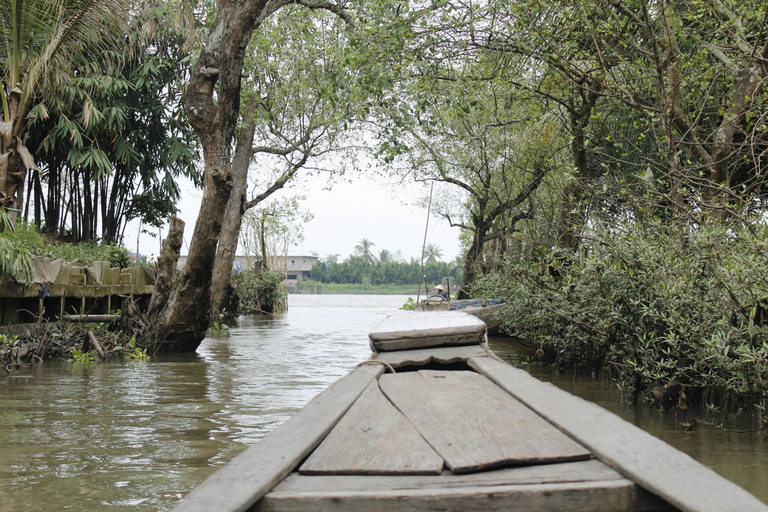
(66, 32)
(15, 261)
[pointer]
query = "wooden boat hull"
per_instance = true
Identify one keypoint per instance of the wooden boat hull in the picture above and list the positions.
(487, 312)
(451, 427)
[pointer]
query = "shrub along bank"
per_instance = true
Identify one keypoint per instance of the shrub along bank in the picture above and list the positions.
(671, 311)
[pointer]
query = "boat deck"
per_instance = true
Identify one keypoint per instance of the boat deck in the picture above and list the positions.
(434, 421)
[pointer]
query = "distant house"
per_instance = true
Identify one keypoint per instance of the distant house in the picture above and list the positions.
(295, 268)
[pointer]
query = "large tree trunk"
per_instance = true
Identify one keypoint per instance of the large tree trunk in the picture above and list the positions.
(471, 262)
(15, 158)
(166, 267)
(221, 287)
(183, 324)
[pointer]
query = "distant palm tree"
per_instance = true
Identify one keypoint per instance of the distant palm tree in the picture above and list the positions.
(433, 253)
(363, 249)
(385, 255)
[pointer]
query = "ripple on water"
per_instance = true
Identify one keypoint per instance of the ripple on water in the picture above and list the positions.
(141, 435)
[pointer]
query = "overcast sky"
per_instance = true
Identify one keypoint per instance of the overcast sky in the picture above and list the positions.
(366, 208)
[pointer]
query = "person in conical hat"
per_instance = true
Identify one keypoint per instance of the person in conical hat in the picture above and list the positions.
(441, 292)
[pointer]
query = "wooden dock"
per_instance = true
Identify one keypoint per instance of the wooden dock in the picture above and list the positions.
(65, 292)
(435, 421)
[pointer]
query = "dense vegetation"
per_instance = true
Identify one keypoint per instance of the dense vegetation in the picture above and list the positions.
(357, 270)
(258, 292)
(668, 310)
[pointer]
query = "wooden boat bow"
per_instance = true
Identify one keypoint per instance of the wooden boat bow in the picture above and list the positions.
(454, 428)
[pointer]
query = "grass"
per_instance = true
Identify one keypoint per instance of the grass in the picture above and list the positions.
(378, 289)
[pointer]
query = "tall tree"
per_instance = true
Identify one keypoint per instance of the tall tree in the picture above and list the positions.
(42, 39)
(296, 110)
(485, 147)
(213, 101)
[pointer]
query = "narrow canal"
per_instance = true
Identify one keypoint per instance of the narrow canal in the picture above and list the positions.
(138, 436)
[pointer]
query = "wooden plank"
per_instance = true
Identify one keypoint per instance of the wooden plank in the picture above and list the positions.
(473, 424)
(239, 484)
(428, 341)
(613, 495)
(581, 471)
(373, 438)
(422, 357)
(639, 456)
(425, 329)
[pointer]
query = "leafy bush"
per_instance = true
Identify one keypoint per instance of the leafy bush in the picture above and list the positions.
(668, 309)
(19, 246)
(259, 293)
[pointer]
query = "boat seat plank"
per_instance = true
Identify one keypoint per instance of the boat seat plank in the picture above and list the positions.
(580, 471)
(641, 457)
(241, 483)
(413, 330)
(474, 424)
(373, 438)
(298, 495)
(424, 356)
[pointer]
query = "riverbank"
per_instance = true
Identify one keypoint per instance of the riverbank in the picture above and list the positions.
(24, 345)
(312, 287)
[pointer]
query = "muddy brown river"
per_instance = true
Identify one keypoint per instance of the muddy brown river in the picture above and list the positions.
(139, 436)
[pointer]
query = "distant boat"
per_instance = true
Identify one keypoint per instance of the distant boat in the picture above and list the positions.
(435, 421)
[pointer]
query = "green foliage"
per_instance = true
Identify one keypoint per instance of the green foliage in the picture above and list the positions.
(663, 305)
(218, 325)
(259, 293)
(136, 354)
(112, 143)
(19, 247)
(80, 357)
(15, 260)
(356, 270)
(8, 340)
(410, 305)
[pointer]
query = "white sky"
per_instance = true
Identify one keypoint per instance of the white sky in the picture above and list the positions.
(366, 208)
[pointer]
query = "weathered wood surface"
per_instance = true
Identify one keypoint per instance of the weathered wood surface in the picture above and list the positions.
(373, 438)
(580, 471)
(419, 330)
(473, 424)
(641, 457)
(574, 486)
(422, 357)
(249, 476)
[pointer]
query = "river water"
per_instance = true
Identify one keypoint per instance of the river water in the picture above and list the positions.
(139, 436)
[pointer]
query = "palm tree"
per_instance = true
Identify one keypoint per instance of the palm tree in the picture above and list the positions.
(433, 253)
(42, 39)
(385, 255)
(363, 249)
